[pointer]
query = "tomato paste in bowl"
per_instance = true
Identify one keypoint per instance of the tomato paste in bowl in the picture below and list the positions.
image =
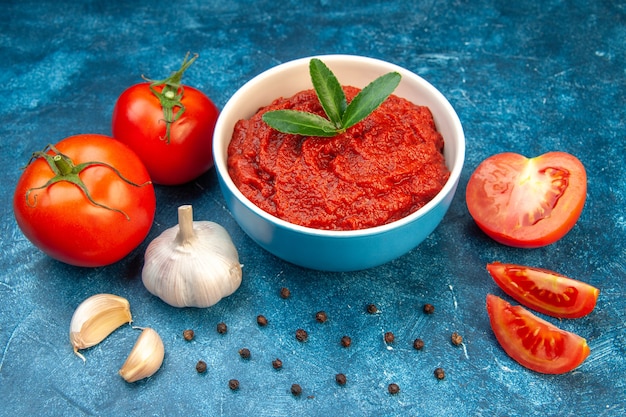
(314, 241)
(380, 170)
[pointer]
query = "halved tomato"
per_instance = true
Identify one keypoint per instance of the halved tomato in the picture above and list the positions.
(527, 202)
(545, 291)
(533, 342)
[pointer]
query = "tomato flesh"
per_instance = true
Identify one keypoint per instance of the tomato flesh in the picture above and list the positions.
(527, 202)
(545, 291)
(60, 220)
(533, 342)
(138, 122)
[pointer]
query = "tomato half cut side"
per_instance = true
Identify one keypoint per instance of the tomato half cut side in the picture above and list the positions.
(533, 342)
(527, 202)
(545, 291)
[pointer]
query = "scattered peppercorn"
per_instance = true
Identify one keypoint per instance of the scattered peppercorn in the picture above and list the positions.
(284, 292)
(372, 309)
(261, 320)
(429, 308)
(302, 335)
(188, 334)
(456, 339)
(201, 367)
(277, 363)
(296, 389)
(418, 344)
(439, 373)
(340, 379)
(393, 388)
(389, 337)
(321, 316)
(233, 384)
(346, 341)
(222, 328)
(244, 353)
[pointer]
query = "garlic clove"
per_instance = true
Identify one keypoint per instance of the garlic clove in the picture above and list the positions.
(145, 358)
(96, 318)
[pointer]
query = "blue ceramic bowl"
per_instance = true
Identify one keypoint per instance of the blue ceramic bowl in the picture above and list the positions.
(336, 250)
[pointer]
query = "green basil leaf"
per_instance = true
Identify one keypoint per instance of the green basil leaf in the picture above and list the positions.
(369, 98)
(328, 90)
(299, 123)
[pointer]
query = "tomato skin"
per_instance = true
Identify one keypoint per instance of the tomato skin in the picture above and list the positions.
(138, 122)
(527, 202)
(65, 225)
(545, 291)
(533, 342)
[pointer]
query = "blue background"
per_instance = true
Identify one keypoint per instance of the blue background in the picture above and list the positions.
(524, 76)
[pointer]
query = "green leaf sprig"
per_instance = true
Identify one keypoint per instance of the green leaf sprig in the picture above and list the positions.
(341, 115)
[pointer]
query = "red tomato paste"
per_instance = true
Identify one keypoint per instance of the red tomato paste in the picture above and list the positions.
(378, 171)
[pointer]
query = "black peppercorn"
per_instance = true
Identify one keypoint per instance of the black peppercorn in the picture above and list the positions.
(418, 344)
(393, 388)
(277, 363)
(222, 328)
(340, 379)
(284, 292)
(456, 339)
(188, 334)
(233, 384)
(372, 309)
(261, 320)
(321, 316)
(302, 335)
(389, 337)
(201, 367)
(346, 341)
(244, 353)
(429, 308)
(439, 373)
(296, 389)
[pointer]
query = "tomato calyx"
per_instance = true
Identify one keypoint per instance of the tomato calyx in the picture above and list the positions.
(65, 170)
(171, 95)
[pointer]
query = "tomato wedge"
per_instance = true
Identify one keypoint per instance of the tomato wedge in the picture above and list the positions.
(545, 291)
(527, 202)
(533, 342)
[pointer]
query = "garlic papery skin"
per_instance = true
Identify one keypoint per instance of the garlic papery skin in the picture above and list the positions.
(145, 358)
(96, 318)
(193, 264)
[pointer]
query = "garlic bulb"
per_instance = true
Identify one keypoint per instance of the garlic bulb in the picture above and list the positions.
(96, 318)
(193, 264)
(145, 358)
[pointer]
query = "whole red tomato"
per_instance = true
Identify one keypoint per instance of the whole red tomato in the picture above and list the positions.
(86, 201)
(170, 127)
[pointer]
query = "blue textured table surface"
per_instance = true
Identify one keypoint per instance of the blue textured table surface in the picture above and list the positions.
(524, 76)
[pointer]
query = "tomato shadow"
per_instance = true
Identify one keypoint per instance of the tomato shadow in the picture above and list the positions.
(194, 191)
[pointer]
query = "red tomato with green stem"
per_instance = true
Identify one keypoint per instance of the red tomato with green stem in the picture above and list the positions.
(86, 201)
(169, 125)
(533, 342)
(527, 202)
(545, 291)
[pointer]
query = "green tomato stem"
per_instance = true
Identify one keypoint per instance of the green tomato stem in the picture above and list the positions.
(171, 95)
(64, 165)
(65, 170)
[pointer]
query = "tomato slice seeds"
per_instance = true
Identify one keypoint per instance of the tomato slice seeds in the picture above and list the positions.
(545, 291)
(527, 202)
(533, 342)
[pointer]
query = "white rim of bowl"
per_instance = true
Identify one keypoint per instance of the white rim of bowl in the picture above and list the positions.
(455, 173)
